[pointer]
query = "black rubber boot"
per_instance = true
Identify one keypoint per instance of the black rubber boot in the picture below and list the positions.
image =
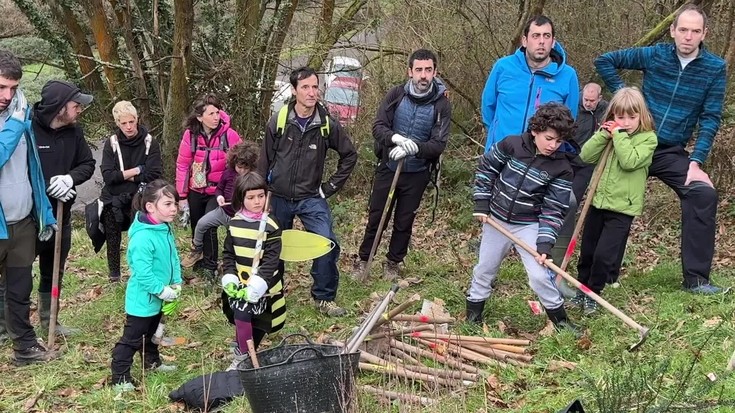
(558, 316)
(3, 330)
(474, 311)
(44, 315)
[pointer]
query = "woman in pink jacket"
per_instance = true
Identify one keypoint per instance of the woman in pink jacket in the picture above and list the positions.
(199, 166)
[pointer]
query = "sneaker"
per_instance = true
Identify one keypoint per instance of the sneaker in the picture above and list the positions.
(590, 306)
(578, 300)
(391, 270)
(329, 308)
(165, 368)
(358, 268)
(704, 289)
(65, 331)
(34, 354)
(194, 256)
(123, 387)
(237, 358)
(114, 277)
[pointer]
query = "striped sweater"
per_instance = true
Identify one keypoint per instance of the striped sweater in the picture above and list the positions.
(237, 258)
(678, 99)
(519, 186)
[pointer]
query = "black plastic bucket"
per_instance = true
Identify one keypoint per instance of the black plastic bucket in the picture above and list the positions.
(300, 378)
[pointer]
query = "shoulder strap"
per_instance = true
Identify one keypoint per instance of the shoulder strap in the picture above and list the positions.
(281, 121)
(116, 148)
(148, 140)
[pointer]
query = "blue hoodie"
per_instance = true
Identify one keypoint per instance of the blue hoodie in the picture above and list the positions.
(513, 93)
(154, 263)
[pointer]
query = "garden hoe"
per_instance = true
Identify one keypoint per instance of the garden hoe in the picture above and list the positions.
(642, 331)
(561, 285)
(55, 275)
(364, 276)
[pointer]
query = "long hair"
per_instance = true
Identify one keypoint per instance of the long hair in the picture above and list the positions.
(630, 101)
(197, 110)
(152, 192)
(248, 182)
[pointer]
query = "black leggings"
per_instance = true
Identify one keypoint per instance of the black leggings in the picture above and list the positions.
(113, 237)
(199, 205)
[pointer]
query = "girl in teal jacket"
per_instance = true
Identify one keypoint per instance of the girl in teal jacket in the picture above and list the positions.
(155, 278)
(619, 197)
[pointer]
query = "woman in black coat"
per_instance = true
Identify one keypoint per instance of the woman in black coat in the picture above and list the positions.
(130, 157)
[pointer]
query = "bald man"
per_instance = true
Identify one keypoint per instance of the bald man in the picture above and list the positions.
(591, 110)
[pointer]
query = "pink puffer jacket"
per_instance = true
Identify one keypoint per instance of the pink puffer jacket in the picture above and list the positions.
(217, 157)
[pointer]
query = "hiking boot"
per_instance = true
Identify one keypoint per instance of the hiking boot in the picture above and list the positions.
(474, 311)
(114, 277)
(391, 270)
(34, 354)
(3, 330)
(194, 256)
(123, 387)
(578, 300)
(590, 306)
(703, 289)
(558, 316)
(329, 308)
(358, 268)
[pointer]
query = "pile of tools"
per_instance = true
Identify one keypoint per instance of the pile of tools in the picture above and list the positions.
(414, 352)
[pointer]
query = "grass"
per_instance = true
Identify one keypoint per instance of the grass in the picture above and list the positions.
(690, 337)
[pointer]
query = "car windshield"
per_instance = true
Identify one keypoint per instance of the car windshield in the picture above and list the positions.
(342, 96)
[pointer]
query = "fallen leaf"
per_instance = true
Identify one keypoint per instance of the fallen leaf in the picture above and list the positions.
(502, 327)
(168, 358)
(192, 344)
(100, 383)
(711, 376)
(191, 367)
(547, 331)
(493, 382)
(713, 322)
(556, 365)
(67, 392)
(584, 343)
(33, 400)
(497, 402)
(94, 292)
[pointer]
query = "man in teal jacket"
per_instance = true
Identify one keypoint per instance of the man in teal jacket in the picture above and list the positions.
(535, 74)
(25, 213)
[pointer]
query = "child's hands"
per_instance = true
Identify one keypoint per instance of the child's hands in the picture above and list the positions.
(611, 127)
(231, 285)
(170, 308)
(169, 294)
(220, 200)
(541, 259)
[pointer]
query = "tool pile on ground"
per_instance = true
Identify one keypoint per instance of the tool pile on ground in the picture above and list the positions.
(417, 353)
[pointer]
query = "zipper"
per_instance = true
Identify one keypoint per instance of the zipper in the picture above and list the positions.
(671, 101)
(528, 101)
(520, 184)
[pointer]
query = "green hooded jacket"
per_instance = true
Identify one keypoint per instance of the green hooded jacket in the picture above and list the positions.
(622, 186)
(154, 263)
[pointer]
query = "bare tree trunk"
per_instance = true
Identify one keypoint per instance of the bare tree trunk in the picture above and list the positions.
(75, 34)
(534, 8)
(730, 54)
(655, 34)
(106, 45)
(178, 88)
(280, 27)
(345, 23)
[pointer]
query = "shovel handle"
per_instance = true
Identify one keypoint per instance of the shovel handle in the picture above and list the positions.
(627, 320)
(55, 275)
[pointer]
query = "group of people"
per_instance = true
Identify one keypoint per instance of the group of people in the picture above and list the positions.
(536, 167)
(542, 146)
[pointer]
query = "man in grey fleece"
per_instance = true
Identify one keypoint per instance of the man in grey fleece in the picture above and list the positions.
(25, 213)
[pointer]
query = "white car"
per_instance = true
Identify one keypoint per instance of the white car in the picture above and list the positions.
(342, 66)
(281, 95)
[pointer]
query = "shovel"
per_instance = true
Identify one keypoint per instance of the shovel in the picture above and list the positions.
(642, 331)
(55, 276)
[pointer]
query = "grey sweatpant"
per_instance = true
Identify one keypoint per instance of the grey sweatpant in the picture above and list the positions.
(494, 247)
(212, 219)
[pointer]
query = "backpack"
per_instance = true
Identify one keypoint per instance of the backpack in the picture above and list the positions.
(200, 170)
(281, 124)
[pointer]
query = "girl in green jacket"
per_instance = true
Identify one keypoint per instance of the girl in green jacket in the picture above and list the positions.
(619, 197)
(155, 278)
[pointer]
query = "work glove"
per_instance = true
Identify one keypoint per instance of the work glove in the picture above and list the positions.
(170, 308)
(231, 285)
(68, 195)
(255, 290)
(184, 218)
(21, 106)
(47, 232)
(408, 145)
(397, 153)
(169, 294)
(59, 185)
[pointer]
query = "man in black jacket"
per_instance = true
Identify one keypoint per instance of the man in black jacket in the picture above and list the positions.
(67, 162)
(412, 124)
(292, 159)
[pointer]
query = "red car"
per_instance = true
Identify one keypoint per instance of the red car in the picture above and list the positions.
(343, 99)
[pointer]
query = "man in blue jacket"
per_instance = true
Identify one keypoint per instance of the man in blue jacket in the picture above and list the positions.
(25, 213)
(535, 74)
(684, 87)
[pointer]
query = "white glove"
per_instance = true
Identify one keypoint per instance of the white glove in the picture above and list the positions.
(410, 147)
(68, 195)
(59, 185)
(184, 218)
(397, 153)
(257, 287)
(398, 139)
(169, 294)
(21, 106)
(228, 279)
(47, 232)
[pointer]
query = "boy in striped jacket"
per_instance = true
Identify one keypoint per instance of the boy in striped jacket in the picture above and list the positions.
(523, 183)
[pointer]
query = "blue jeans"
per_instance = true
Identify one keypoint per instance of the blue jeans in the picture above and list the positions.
(314, 213)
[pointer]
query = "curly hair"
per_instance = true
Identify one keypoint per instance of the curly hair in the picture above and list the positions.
(553, 115)
(243, 154)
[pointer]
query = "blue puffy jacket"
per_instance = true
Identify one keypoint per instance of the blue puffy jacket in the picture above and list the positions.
(513, 92)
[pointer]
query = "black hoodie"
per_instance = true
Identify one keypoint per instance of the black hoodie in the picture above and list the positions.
(62, 151)
(133, 154)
